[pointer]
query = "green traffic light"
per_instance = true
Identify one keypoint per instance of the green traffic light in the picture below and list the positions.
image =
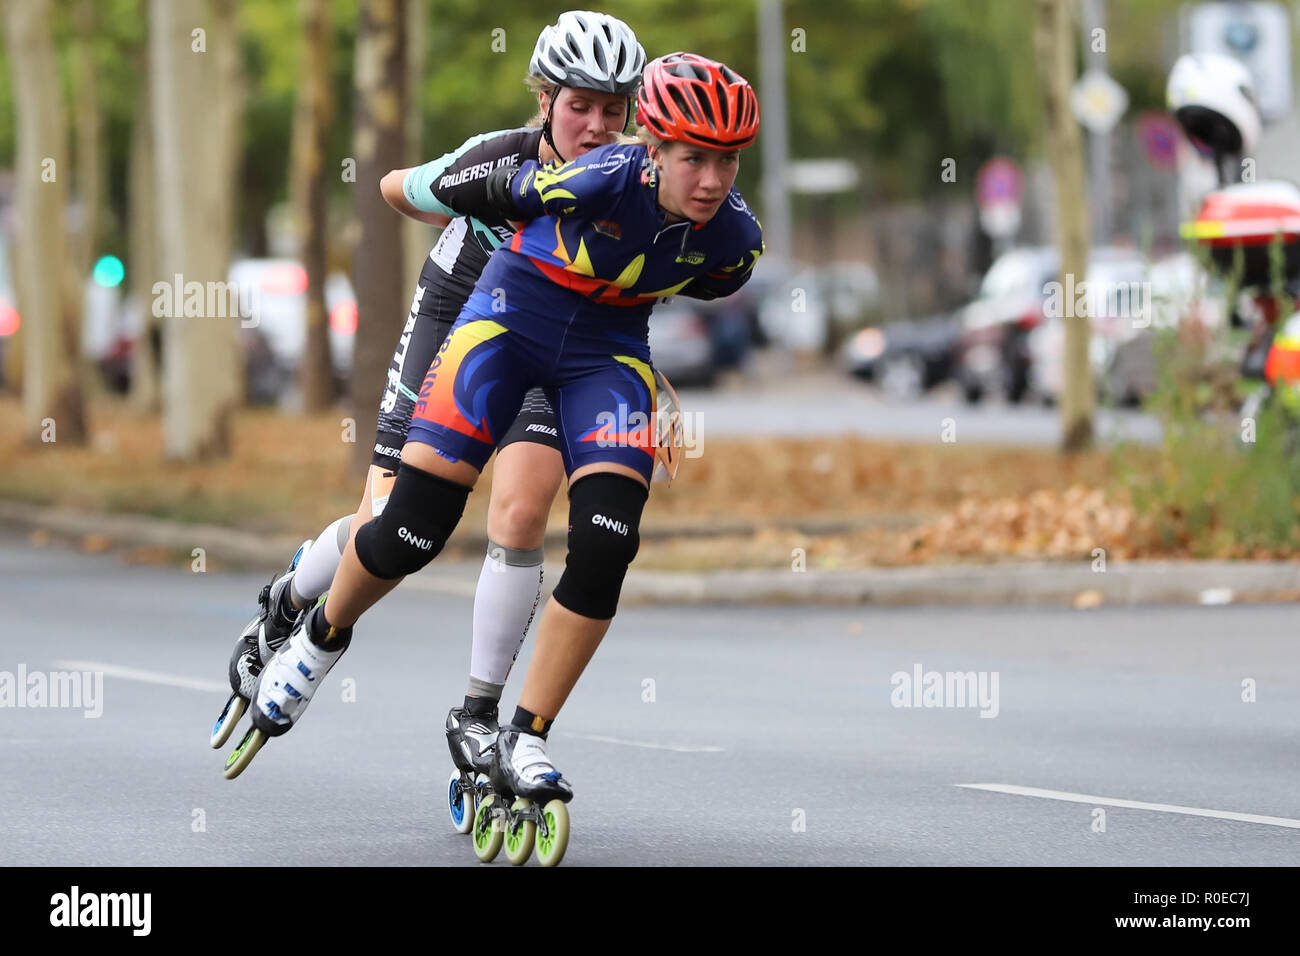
(109, 272)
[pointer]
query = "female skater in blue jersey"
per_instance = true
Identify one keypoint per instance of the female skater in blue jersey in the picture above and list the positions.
(565, 306)
(585, 70)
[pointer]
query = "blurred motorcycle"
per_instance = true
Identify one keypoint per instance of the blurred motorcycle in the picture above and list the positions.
(1251, 230)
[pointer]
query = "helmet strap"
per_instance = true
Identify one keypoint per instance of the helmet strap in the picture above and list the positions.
(546, 125)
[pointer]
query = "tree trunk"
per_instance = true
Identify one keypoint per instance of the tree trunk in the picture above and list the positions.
(11, 350)
(91, 170)
(1054, 39)
(312, 116)
(51, 316)
(230, 95)
(379, 144)
(417, 237)
(143, 268)
(194, 198)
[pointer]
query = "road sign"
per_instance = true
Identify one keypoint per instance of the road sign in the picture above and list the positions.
(1159, 135)
(999, 189)
(821, 175)
(1258, 34)
(999, 181)
(1098, 101)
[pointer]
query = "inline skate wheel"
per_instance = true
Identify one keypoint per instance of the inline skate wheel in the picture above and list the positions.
(481, 789)
(230, 715)
(243, 755)
(551, 847)
(460, 804)
(487, 832)
(520, 837)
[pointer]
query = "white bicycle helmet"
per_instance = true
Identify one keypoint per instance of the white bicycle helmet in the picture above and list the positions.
(590, 51)
(1213, 97)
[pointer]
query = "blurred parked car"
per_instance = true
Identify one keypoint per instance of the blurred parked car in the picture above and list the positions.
(794, 314)
(810, 309)
(107, 340)
(906, 357)
(1181, 291)
(1013, 333)
(9, 319)
(274, 332)
(1115, 303)
(731, 331)
(1128, 302)
(681, 345)
(852, 292)
(748, 301)
(991, 351)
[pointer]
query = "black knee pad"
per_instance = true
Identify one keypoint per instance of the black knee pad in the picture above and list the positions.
(421, 512)
(604, 515)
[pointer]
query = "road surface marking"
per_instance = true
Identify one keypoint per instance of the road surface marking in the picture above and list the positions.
(146, 677)
(1132, 804)
(681, 749)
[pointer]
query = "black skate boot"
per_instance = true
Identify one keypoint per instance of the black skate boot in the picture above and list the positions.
(471, 738)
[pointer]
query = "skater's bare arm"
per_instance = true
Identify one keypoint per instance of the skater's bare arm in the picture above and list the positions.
(391, 188)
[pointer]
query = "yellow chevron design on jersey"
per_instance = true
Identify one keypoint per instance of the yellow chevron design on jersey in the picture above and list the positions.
(547, 183)
(581, 263)
(630, 273)
(559, 251)
(671, 290)
(753, 254)
(642, 369)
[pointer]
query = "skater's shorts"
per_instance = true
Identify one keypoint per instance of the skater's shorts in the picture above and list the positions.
(427, 327)
(595, 375)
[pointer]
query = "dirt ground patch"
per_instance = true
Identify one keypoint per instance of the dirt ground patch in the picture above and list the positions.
(830, 503)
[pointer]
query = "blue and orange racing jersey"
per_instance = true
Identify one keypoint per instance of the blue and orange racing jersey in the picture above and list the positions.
(599, 248)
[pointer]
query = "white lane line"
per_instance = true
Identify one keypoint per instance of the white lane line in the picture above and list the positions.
(147, 677)
(681, 749)
(190, 683)
(1132, 804)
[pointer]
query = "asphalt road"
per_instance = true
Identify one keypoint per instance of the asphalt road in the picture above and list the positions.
(771, 737)
(830, 403)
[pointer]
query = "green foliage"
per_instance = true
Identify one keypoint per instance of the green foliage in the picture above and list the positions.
(894, 85)
(8, 118)
(1220, 485)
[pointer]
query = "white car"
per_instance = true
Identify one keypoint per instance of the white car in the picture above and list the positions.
(273, 332)
(276, 290)
(1116, 302)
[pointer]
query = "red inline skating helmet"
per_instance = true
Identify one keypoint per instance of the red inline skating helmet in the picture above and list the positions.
(686, 98)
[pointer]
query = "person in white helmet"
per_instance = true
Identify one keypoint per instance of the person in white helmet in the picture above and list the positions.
(1213, 97)
(584, 71)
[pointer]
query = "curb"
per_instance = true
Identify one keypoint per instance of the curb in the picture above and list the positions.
(1019, 583)
(1041, 583)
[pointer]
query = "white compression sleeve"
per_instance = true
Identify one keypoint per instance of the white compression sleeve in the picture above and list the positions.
(509, 588)
(316, 570)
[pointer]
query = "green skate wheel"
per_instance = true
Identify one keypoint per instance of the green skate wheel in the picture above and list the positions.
(243, 755)
(519, 838)
(550, 848)
(487, 832)
(234, 709)
(460, 804)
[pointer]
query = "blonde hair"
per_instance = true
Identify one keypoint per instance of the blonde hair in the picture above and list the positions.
(537, 86)
(642, 137)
